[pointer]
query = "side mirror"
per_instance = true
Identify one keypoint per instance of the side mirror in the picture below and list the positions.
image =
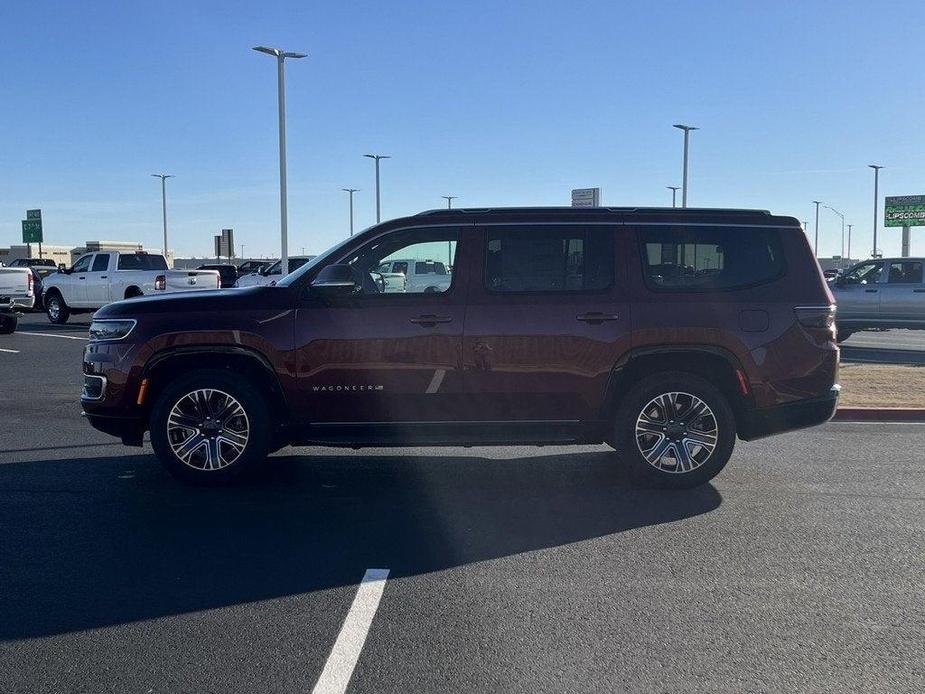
(335, 280)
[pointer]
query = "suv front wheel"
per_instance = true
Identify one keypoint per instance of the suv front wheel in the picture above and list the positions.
(676, 429)
(210, 427)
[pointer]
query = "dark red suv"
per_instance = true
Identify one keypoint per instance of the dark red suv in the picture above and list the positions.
(665, 333)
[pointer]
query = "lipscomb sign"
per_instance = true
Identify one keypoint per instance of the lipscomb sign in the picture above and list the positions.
(904, 211)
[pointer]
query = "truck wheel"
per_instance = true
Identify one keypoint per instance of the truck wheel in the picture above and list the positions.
(56, 309)
(676, 429)
(210, 427)
(8, 324)
(132, 292)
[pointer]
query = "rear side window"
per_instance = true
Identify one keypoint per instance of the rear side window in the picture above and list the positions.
(679, 258)
(905, 272)
(549, 259)
(142, 261)
(100, 262)
(429, 267)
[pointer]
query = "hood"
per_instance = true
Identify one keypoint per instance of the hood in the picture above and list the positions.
(244, 299)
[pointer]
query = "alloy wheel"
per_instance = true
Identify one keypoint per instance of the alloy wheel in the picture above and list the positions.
(207, 429)
(676, 432)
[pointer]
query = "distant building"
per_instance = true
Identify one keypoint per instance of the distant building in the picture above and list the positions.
(66, 255)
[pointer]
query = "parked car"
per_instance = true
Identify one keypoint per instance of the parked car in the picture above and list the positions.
(16, 294)
(251, 266)
(559, 326)
(226, 271)
(97, 279)
(33, 262)
(272, 273)
(420, 275)
(881, 293)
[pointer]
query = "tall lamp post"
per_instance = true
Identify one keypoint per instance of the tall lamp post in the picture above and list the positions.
(449, 244)
(376, 158)
(674, 193)
(876, 168)
(281, 56)
(350, 192)
(164, 178)
(816, 247)
(449, 200)
(849, 241)
(687, 131)
(829, 207)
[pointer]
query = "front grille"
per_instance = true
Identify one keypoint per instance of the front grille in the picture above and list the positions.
(94, 387)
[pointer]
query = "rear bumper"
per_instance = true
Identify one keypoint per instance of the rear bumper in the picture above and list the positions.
(759, 423)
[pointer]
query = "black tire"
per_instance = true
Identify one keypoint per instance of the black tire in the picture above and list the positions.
(55, 308)
(195, 470)
(8, 324)
(704, 465)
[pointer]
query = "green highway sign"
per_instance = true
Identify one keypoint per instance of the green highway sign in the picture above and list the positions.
(32, 231)
(33, 214)
(904, 211)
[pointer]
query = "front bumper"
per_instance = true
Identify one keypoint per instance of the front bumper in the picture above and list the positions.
(758, 423)
(130, 430)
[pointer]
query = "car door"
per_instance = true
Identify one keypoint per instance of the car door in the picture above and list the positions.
(75, 289)
(98, 281)
(375, 357)
(902, 292)
(857, 294)
(546, 320)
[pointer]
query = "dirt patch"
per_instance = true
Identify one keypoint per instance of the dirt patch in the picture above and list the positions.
(882, 385)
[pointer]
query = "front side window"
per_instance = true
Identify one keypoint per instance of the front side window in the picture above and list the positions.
(677, 258)
(866, 273)
(905, 272)
(549, 259)
(83, 264)
(398, 250)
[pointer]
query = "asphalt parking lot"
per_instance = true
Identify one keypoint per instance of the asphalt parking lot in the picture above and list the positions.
(799, 569)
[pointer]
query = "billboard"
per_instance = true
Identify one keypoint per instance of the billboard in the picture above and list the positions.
(904, 211)
(586, 197)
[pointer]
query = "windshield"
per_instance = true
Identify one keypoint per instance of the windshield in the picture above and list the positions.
(293, 276)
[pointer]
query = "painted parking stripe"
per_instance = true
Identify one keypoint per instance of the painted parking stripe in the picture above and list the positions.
(65, 337)
(9, 351)
(339, 669)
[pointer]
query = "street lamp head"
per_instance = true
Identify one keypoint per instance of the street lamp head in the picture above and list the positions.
(377, 156)
(679, 126)
(163, 175)
(875, 167)
(817, 202)
(673, 187)
(290, 54)
(269, 51)
(351, 190)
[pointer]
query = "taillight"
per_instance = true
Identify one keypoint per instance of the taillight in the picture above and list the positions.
(160, 282)
(31, 284)
(817, 318)
(218, 282)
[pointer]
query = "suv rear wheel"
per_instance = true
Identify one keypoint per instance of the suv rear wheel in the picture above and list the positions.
(56, 309)
(676, 429)
(210, 427)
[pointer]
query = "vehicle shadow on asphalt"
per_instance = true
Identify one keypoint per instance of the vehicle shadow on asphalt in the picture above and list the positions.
(95, 542)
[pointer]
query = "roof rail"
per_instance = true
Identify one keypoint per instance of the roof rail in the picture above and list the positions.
(459, 211)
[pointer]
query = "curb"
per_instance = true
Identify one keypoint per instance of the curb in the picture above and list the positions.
(879, 414)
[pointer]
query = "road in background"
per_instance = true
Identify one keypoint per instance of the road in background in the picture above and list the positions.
(886, 347)
(511, 569)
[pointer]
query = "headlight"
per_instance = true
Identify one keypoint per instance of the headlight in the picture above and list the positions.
(110, 329)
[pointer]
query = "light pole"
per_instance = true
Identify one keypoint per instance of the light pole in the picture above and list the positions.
(377, 157)
(164, 178)
(876, 168)
(816, 248)
(449, 244)
(849, 240)
(242, 251)
(281, 56)
(674, 192)
(829, 207)
(687, 131)
(449, 200)
(350, 192)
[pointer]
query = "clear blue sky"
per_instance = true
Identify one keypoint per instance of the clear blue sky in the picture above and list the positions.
(498, 103)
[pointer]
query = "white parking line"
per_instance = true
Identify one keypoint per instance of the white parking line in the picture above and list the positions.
(10, 351)
(339, 669)
(66, 337)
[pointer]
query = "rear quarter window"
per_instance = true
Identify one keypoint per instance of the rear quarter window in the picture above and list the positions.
(142, 261)
(683, 258)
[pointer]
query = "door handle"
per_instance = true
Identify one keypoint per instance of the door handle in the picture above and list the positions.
(81, 278)
(103, 277)
(870, 291)
(596, 317)
(430, 320)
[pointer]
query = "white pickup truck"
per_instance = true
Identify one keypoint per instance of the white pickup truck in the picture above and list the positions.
(420, 275)
(16, 292)
(97, 279)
